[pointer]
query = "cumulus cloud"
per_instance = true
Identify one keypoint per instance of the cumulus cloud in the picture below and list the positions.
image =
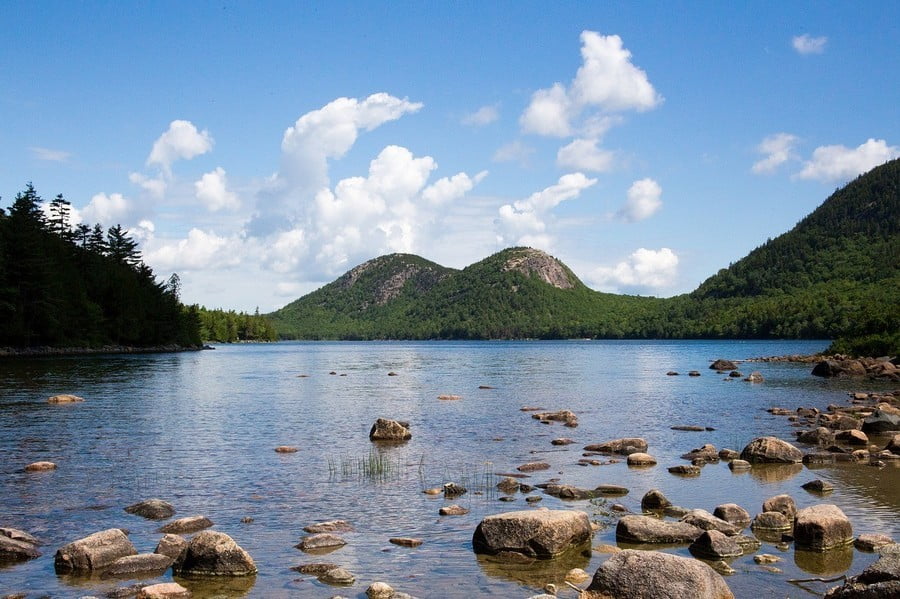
(448, 189)
(181, 141)
(108, 210)
(777, 149)
(198, 251)
(483, 116)
(583, 154)
(607, 81)
(840, 163)
(806, 44)
(514, 151)
(642, 270)
(156, 186)
(525, 222)
(212, 190)
(643, 201)
(49, 154)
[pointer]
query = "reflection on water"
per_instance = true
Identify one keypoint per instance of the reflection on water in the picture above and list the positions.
(825, 563)
(536, 573)
(199, 430)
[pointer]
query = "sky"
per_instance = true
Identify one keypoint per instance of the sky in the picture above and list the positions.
(260, 150)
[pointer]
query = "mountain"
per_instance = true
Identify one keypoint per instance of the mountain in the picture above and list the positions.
(836, 273)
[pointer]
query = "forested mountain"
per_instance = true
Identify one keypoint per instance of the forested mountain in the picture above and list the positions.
(836, 274)
(81, 287)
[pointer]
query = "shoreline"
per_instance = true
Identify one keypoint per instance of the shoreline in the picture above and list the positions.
(46, 351)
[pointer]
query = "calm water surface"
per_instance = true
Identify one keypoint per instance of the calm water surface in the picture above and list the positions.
(199, 429)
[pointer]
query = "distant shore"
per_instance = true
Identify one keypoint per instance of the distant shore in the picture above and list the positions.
(46, 351)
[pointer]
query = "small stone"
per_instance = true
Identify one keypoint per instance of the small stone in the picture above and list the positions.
(533, 467)
(329, 526)
(187, 525)
(818, 486)
(766, 558)
(453, 510)
(40, 467)
(739, 465)
(379, 590)
(320, 542)
(286, 449)
(338, 576)
(683, 470)
(165, 590)
(152, 509)
(562, 441)
(641, 459)
(406, 541)
(577, 575)
(64, 398)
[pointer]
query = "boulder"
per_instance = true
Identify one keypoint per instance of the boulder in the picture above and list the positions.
(140, 564)
(64, 398)
(569, 492)
(771, 449)
(19, 535)
(94, 552)
(540, 534)
(818, 486)
(453, 510)
(817, 436)
(40, 467)
(706, 521)
(707, 453)
(654, 499)
(733, 514)
(329, 526)
(633, 574)
(821, 528)
(622, 446)
(872, 542)
(852, 437)
(213, 553)
(389, 430)
(713, 544)
(721, 364)
(894, 444)
(685, 470)
(881, 580)
(641, 459)
(646, 529)
(164, 590)
(885, 418)
(771, 521)
(187, 525)
(152, 509)
(172, 546)
(15, 550)
(337, 576)
(321, 542)
(781, 503)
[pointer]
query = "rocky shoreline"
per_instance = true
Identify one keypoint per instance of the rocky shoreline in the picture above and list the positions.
(47, 351)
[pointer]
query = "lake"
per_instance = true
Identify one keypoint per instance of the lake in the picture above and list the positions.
(199, 430)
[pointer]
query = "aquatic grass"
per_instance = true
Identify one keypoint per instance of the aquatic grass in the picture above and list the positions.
(372, 467)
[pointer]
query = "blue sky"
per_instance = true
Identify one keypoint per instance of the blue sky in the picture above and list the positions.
(262, 149)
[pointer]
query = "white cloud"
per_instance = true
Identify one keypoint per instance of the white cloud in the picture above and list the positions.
(212, 190)
(642, 270)
(200, 250)
(643, 200)
(514, 151)
(155, 186)
(805, 44)
(525, 222)
(548, 113)
(143, 232)
(108, 210)
(778, 149)
(607, 81)
(287, 251)
(49, 154)
(583, 154)
(450, 188)
(840, 163)
(483, 116)
(181, 141)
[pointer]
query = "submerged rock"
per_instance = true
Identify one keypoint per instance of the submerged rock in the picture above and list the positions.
(164, 590)
(138, 565)
(622, 446)
(645, 529)
(152, 509)
(872, 542)
(390, 430)
(64, 398)
(187, 525)
(540, 534)
(633, 574)
(94, 552)
(329, 526)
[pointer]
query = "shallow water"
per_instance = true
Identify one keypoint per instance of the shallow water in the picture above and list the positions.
(199, 429)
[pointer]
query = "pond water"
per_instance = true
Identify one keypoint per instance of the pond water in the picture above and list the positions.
(199, 430)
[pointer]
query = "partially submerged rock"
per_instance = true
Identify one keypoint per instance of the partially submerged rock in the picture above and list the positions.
(771, 521)
(40, 467)
(567, 417)
(164, 590)
(633, 574)
(821, 528)
(93, 552)
(645, 529)
(641, 459)
(818, 486)
(152, 509)
(187, 525)
(872, 542)
(329, 526)
(772, 450)
(64, 398)
(172, 546)
(881, 580)
(654, 499)
(713, 544)
(138, 565)
(321, 542)
(15, 550)
(706, 521)
(533, 467)
(781, 503)
(390, 430)
(453, 510)
(213, 553)
(733, 514)
(722, 364)
(622, 446)
(540, 534)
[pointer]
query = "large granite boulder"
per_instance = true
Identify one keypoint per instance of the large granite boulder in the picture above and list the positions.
(881, 580)
(142, 564)
(213, 553)
(540, 534)
(781, 503)
(713, 544)
(733, 514)
(771, 449)
(821, 528)
(721, 364)
(390, 430)
(622, 446)
(646, 529)
(884, 418)
(152, 509)
(632, 574)
(94, 552)
(187, 525)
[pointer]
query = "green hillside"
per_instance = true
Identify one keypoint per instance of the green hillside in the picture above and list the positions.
(836, 274)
